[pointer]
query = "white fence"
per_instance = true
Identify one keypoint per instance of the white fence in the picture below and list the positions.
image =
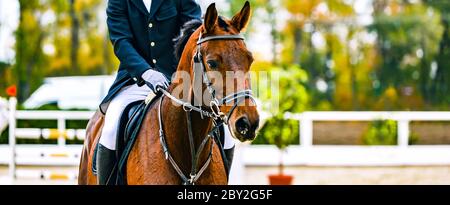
(306, 153)
(354, 155)
(42, 155)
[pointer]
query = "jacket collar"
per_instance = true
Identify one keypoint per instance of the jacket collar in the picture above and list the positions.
(141, 7)
(154, 7)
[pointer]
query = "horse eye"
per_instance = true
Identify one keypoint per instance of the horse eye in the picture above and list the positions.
(212, 64)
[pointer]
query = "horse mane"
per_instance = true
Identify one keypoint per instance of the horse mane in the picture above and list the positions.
(188, 29)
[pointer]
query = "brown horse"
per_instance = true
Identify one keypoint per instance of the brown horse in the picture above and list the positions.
(167, 158)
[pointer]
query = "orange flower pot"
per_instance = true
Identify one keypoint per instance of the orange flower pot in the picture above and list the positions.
(280, 179)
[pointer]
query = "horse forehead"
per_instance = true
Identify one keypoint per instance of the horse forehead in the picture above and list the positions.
(228, 48)
(238, 56)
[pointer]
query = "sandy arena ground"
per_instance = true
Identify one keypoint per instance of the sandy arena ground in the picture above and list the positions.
(305, 175)
(355, 175)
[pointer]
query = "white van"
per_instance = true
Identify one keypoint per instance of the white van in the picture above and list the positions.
(78, 92)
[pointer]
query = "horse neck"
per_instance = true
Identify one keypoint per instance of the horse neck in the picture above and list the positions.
(177, 137)
(176, 127)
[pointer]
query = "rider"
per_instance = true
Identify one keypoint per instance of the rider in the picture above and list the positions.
(141, 32)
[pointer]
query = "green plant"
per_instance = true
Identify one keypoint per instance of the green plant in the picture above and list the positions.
(381, 132)
(290, 97)
(279, 132)
(384, 132)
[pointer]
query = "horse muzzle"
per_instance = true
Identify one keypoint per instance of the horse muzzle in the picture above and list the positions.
(245, 128)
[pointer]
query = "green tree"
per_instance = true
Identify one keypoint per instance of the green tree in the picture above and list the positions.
(407, 41)
(87, 50)
(327, 66)
(60, 38)
(30, 59)
(268, 16)
(75, 37)
(440, 85)
(5, 76)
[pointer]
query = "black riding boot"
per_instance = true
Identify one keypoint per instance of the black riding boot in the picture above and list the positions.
(229, 155)
(106, 160)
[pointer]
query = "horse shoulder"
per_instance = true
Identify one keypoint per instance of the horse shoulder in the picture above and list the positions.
(216, 174)
(146, 163)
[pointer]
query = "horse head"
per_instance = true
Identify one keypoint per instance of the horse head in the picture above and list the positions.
(217, 62)
(228, 61)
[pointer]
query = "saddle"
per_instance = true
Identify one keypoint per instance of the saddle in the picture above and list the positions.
(129, 125)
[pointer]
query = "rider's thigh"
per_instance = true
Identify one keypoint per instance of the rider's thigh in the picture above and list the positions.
(116, 106)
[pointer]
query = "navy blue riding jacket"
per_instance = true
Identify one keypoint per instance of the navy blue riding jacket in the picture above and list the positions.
(143, 40)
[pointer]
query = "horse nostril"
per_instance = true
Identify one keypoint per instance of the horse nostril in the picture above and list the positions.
(243, 125)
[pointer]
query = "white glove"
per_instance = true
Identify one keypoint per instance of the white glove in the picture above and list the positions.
(153, 79)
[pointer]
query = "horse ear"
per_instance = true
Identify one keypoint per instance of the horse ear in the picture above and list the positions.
(210, 18)
(241, 19)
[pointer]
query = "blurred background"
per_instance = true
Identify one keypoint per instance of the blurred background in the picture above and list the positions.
(364, 88)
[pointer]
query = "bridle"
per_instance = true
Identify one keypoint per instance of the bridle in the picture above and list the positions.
(219, 118)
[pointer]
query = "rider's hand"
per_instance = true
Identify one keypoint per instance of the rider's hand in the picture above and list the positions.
(154, 79)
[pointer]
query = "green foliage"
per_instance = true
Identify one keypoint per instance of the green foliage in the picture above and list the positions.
(279, 132)
(285, 90)
(384, 132)
(291, 97)
(5, 75)
(69, 42)
(407, 54)
(30, 59)
(401, 36)
(381, 133)
(410, 39)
